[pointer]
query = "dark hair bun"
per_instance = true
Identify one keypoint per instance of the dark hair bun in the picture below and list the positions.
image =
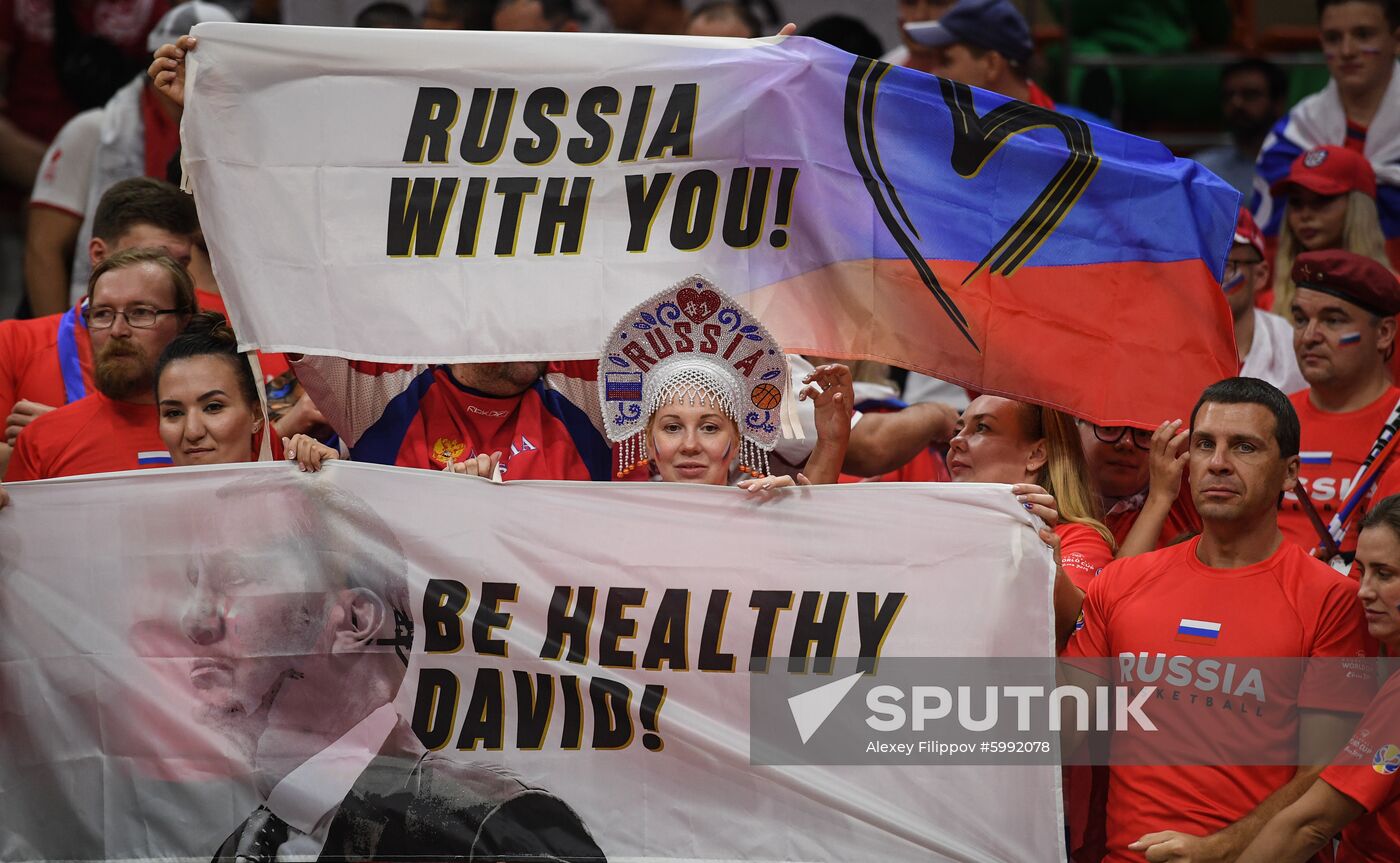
(212, 326)
(208, 335)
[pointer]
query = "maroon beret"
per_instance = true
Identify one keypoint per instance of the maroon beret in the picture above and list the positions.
(1351, 277)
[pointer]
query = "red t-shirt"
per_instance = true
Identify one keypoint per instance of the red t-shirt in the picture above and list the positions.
(1083, 552)
(35, 355)
(1355, 137)
(454, 421)
(92, 435)
(1151, 608)
(1366, 771)
(420, 416)
(1181, 518)
(1333, 447)
(1038, 96)
(162, 135)
(921, 468)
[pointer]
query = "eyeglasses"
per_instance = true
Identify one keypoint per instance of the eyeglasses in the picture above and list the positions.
(1142, 438)
(141, 317)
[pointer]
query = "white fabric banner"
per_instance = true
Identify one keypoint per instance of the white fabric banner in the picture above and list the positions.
(469, 197)
(184, 648)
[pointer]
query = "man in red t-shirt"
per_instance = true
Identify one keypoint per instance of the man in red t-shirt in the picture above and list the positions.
(139, 301)
(1344, 329)
(136, 133)
(46, 362)
(1238, 591)
(36, 99)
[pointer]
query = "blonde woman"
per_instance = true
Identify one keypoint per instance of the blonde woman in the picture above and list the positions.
(692, 388)
(1331, 195)
(1037, 451)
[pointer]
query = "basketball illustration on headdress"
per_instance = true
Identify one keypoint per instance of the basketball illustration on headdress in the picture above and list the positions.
(766, 397)
(691, 341)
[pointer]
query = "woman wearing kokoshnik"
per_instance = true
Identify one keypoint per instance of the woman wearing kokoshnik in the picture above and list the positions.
(692, 386)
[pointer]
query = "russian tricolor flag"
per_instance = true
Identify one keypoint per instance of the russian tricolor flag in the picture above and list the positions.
(1315, 457)
(1198, 631)
(154, 457)
(623, 387)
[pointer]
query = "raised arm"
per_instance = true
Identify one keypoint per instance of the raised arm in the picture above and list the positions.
(1321, 734)
(167, 69)
(832, 392)
(352, 396)
(884, 442)
(1168, 462)
(1068, 598)
(1303, 828)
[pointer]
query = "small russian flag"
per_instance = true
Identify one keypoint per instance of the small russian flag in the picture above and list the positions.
(1197, 631)
(1315, 457)
(623, 387)
(159, 456)
(1349, 339)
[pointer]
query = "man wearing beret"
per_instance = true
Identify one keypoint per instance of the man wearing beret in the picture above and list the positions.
(1343, 333)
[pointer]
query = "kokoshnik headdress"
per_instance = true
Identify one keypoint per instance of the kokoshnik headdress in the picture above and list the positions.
(692, 342)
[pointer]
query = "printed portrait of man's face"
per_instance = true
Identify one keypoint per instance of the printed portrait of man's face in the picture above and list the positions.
(282, 610)
(254, 619)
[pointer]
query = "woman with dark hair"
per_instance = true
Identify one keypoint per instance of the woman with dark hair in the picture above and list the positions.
(208, 401)
(1359, 794)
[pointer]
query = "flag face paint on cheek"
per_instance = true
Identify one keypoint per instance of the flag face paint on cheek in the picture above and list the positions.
(1349, 339)
(1231, 284)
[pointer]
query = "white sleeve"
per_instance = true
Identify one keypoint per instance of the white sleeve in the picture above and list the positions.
(352, 396)
(922, 388)
(66, 172)
(791, 450)
(577, 381)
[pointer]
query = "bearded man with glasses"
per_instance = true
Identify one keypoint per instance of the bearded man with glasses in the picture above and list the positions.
(138, 301)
